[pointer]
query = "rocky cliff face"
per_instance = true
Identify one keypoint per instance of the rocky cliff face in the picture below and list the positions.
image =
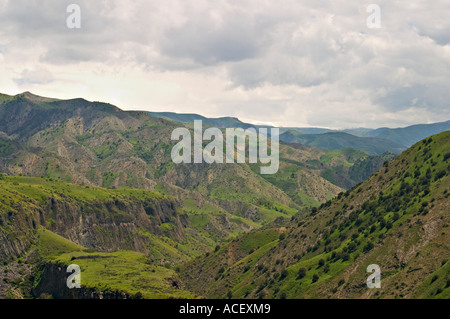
(104, 225)
(113, 225)
(18, 232)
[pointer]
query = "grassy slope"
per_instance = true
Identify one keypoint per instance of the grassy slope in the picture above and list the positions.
(397, 219)
(125, 271)
(32, 191)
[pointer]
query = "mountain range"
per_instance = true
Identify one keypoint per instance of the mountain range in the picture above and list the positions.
(371, 141)
(87, 181)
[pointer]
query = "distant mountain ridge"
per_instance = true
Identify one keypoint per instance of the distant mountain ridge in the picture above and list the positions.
(373, 141)
(340, 140)
(216, 122)
(409, 135)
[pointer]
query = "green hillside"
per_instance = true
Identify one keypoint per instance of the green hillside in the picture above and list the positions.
(397, 219)
(124, 272)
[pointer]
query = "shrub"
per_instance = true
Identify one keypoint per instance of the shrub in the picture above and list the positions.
(345, 256)
(439, 175)
(284, 274)
(301, 273)
(315, 278)
(138, 295)
(446, 156)
(351, 247)
(321, 262)
(368, 247)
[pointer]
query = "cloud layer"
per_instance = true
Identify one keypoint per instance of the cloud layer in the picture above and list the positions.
(287, 62)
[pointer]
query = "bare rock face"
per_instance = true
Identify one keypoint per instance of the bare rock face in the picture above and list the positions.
(18, 231)
(103, 225)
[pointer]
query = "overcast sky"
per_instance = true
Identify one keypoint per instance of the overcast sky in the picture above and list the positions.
(290, 63)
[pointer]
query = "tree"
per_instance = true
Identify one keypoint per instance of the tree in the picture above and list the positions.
(351, 247)
(345, 256)
(138, 295)
(368, 247)
(321, 262)
(301, 273)
(315, 278)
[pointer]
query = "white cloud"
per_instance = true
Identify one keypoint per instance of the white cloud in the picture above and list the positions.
(288, 62)
(31, 77)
